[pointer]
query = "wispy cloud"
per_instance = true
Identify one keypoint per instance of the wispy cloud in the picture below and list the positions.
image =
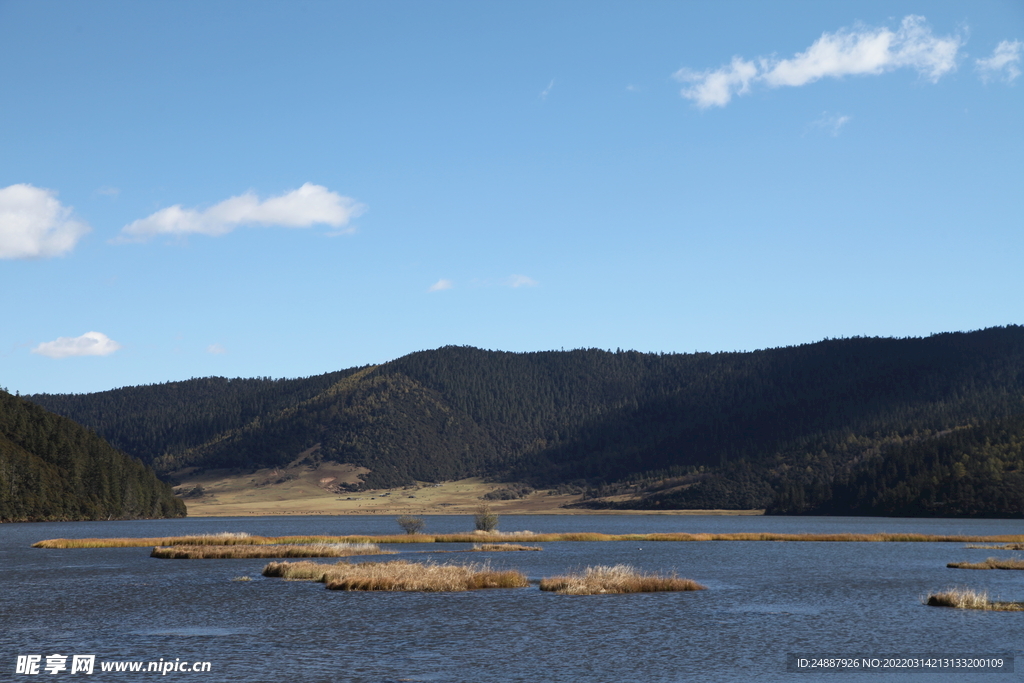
(520, 281)
(34, 224)
(832, 123)
(847, 52)
(441, 285)
(547, 91)
(89, 344)
(301, 208)
(1004, 62)
(216, 349)
(108, 191)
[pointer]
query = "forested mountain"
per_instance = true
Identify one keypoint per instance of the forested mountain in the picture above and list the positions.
(54, 469)
(973, 472)
(723, 430)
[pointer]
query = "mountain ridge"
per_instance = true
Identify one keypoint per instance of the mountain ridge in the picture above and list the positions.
(738, 428)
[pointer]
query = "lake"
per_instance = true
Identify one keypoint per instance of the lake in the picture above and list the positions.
(764, 600)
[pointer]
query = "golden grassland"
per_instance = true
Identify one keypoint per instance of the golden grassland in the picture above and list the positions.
(965, 598)
(398, 575)
(497, 547)
(990, 563)
(227, 552)
(498, 537)
(621, 578)
(303, 490)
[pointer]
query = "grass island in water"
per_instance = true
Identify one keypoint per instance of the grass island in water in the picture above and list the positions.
(397, 575)
(621, 578)
(965, 598)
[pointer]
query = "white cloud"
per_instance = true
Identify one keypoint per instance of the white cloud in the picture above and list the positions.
(520, 281)
(216, 349)
(33, 224)
(89, 344)
(847, 52)
(301, 208)
(716, 88)
(108, 191)
(1005, 59)
(544, 93)
(832, 122)
(441, 285)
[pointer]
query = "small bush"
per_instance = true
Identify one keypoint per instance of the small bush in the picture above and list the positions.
(485, 519)
(510, 492)
(411, 525)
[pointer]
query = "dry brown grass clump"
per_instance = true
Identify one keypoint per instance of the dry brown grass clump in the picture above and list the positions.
(227, 552)
(990, 563)
(303, 571)
(621, 578)
(398, 575)
(965, 598)
(504, 546)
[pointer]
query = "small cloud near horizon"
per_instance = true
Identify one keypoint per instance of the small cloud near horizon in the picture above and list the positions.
(216, 349)
(89, 344)
(441, 285)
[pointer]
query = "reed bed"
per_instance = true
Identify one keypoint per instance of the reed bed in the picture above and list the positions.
(965, 598)
(227, 552)
(990, 563)
(620, 578)
(470, 537)
(398, 575)
(1004, 546)
(497, 547)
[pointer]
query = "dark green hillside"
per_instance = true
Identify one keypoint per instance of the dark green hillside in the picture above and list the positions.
(767, 419)
(54, 469)
(724, 430)
(970, 472)
(384, 421)
(166, 419)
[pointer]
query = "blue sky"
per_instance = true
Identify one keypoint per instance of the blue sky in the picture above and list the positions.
(287, 188)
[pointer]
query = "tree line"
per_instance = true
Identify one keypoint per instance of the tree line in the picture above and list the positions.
(52, 468)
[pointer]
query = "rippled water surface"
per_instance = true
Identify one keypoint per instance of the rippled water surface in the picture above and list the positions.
(765, 599)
